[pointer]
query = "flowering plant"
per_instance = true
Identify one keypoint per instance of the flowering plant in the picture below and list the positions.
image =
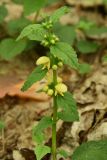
(64, 106)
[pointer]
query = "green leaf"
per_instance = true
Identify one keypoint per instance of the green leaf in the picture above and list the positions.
(44, 123)
(104, 58)
(41, 151)
(62, 154)
(9, 48)
(84, 68)
(66, 33)
(69, 109)
(35, 76)
(66, 53)
(2, 125)
(58, 14)
(94, 150)
(31, 6)
(85, 25)
(33, 32)
(3, 13)
(15, 26)
(97, 32)
(87, 47)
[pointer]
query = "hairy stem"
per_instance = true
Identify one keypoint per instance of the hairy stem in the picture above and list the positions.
(54, 118)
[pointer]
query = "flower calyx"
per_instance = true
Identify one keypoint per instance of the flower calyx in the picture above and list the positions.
(49, 40)
(47, 24)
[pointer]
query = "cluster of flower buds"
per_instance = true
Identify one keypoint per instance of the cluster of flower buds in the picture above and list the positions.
(60, 88)
(55, 66)
(47, 24)
(49, 40)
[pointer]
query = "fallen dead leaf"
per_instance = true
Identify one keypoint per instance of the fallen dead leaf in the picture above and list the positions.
(11, 85)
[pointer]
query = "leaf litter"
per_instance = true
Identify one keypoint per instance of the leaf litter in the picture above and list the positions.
(17, 107)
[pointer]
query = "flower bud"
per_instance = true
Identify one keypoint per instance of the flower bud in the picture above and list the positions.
(52, 41)
(45, 88)
(60, 64)
(46, 43)
(54, 67)
(56, 39)
(53, 36)
(60, 89)
(45, 36)
(50, 22)
(43, 42)
(50, 92)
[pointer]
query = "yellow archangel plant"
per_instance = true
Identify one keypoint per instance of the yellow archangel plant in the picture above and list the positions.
(64, 105)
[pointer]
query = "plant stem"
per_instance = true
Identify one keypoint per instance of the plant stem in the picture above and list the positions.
(54, 118)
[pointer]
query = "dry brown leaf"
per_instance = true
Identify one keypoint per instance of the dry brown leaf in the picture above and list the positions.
(11, 85)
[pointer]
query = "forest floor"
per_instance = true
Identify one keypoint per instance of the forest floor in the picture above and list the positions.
(21, 111)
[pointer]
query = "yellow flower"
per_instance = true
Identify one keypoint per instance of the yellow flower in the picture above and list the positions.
(45, 61)
(60, 88)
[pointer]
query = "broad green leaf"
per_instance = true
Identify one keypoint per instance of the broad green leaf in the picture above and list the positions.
(69, 111)
(104, 58)
(84, 68)
(66, 33)
(44, 123)
(94, 150)
(58, 14)
(33, 32)
(9, 48)
(62, 154)
(87, 47)
(41, 151)
(3, 13)
(85, 25)
(15, 26)
(35, 76)
(97, 32)
(66, 53)
(2, 125)
(31, 6)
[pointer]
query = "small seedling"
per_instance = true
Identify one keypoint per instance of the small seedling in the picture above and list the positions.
(47, 67)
